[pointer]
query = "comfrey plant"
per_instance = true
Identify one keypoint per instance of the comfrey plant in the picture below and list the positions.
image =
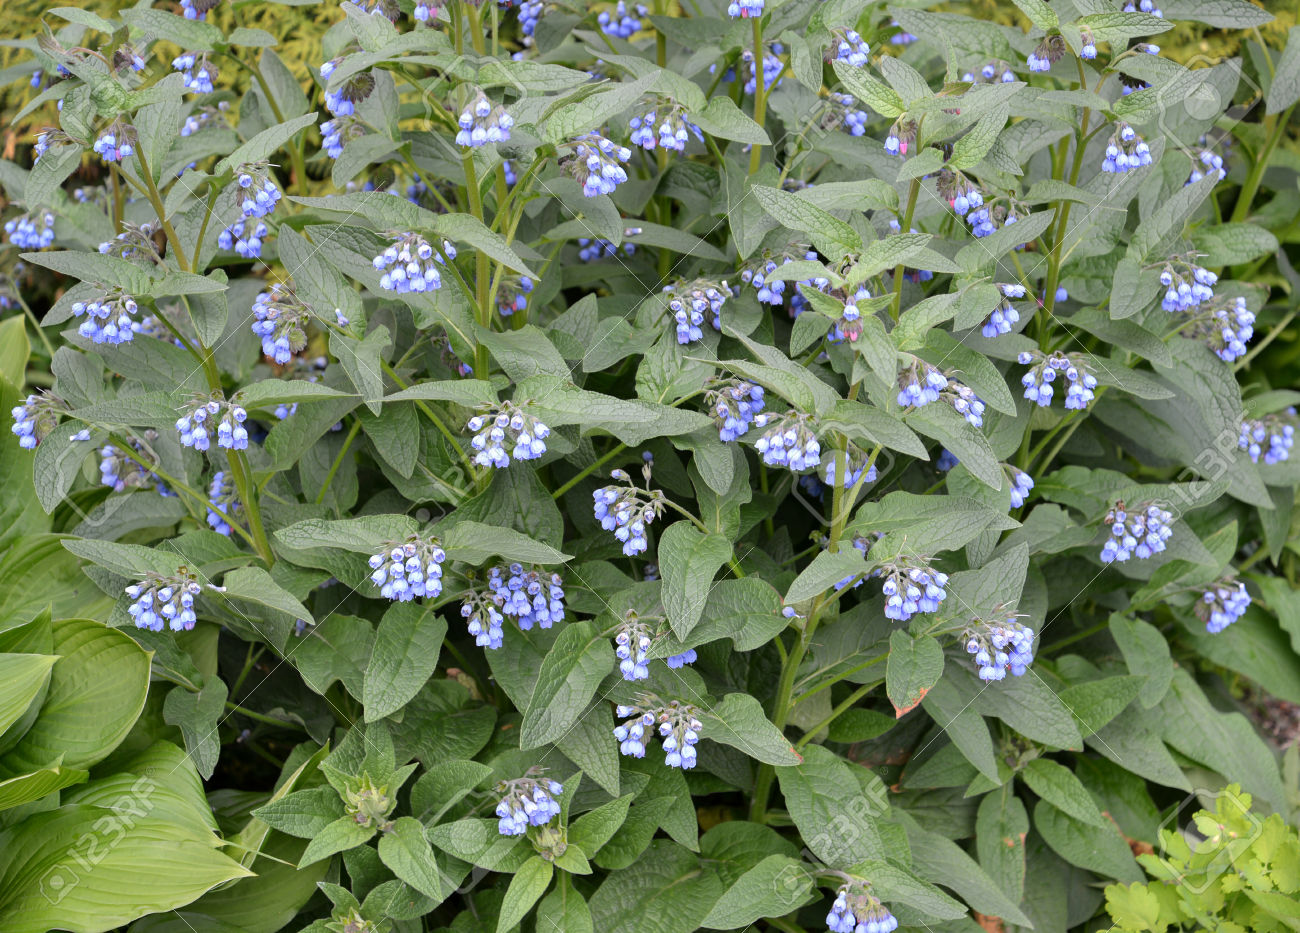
(955, 356)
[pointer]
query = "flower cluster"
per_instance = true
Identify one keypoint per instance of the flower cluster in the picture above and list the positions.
(337, 133)
(530, 596)
(119, 472)
(213, 415)
(343, 100)
(280, 318)
(688, 303)
(744, 9)
(595, 163)
(1137, 533)
(31, 232)
(842, 110)
(410, 264)
(1126, 150)
(847, 46)
(902, 136)
(991, 72)
(1049, 52)
(772, 291)
(493, 430)
(197, 9)
(1226, 325)
(482, 613)
(527, 802)
(678, 724)
(911, 586)
(1210, 162)
(35, 418)
(111, 318)
(244, 237)
(590, 250)
(986, 217)
(157, 601)
(1143, 6)
(676, 661)
(920, 384)
(482, 122)
(206, 116)
(626, 510)
(115, 143)
(1042, 373)
(858, 461)
(1186, 285)
(409, 569)
(260, 192)
(672, 130)
(1001, 646)
(788, 441)
(855, 910)
(1021, 484)
(134, 241)
(222, 495)
(773, 68)
(512, 294)
(620, 22)
(197, 71)
(734, 404)
(1272, 436)
(1222, 604)
(1005, 315)
(632, 647)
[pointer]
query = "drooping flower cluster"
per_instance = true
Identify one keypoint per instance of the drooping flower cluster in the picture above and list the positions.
(856, 910)
(788, 442)
(27, 231)
(620, 22)
(245, 237)
(1205, 161)
(676, 661)
(196, 70)
(111, 318)
(677, 723)
(481, 610)
(1126, 150)
(1271, 436)
(337, 133)
(1225, 324)
(258, 191)
(988, 216)
(527, 802)
(843, 110)
(280, 318)
(506, 425)
(530, 596)
(1050, 51)
(410, 264)
(342, 101)
(1222, 604)
(994, 72)
(902, 136)
(773, 68)
(1186, 285)
(512, 294)
(947, 460)
(689, 302)
(197, 9)
(1000, 646)
(204, 117)
(847, 46)
(666, 126)
(1140, 532)
(595, 163)
(160, 601)
(626, 510)
(1042, 373)
(35, 418)
(590, 250)
(632, 642)
(482, 122)
(1021, 484)
(115, 143)
(409, 569)
(1005, 315)
(920, 384)
(208, 416)
(223, 495)
(734, 404)
(744, 9)
(857, 460)
(119, 472)
(911, 586)
(134, 242)
(1143, 6)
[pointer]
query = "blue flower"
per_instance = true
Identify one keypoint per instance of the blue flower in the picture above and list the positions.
(770, 292)
(111, 318)
(947, 460)
(425, 10)
(620, 22)
(671, 131)
(527, 802)
(342, 101)
(1272, 436)
(626, 511)
(507, 425)
(512, 294)
(1126, 150)
(1143, 6)
(847, 46)
(205, 117)
(1139, 533)
(788, 441)
(1005, 315)
(1088, 47)
(482, 122)
(198, 72)
(1001, 646)
(842, 110)
(631, 734)
(632, 646)
(1226, 326)
(197, 9)
(530, 14)
(214, 416)
(595, 162)
(679, 728)
(773, 68)
(680, 660)
(223, 495)
(920, 384)
(734, 405)
(855, 910)
(159, 601)
(119, 472)
(1209, 162)
(530, 596)
(244, 237)
(1042, 373)
(902, 36)
(338, 132)
(31, 232)
(745, 9)
(1021, 484)
(260, 193)
(1222, 604)
(590, 250)
(409, 569)
(911, 586)
(280, 318)
(688, 304)
(483, 617)
(35, 418)
(994, 72)
(1186, 285)
(114, 144)
(857, 463)
(410, 264)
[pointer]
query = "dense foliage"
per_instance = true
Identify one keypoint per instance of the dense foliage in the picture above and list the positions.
(709, 466)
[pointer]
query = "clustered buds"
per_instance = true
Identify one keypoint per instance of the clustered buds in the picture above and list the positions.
(734, 404)
(632, 646)
(343, 100)
(688, 303)
(842, 110)
(745, 9)
(672, 130)
(626, 510)
(1140, 532)
(1005, 315)
(527, 802)
(482, 122)
(856, 910)
(208, 416)
(620, 22)
(481, 611)
(197, 9)
(788, 441)
(35, 418)
(771, 291)
(280, 318)
(911, 586)
(847, 46)
(595, 162)
(677, 723)
(1186, 285)
(590, 250)
(197, 71)
(999, 647)
(530, 596)
(119, 472)
(225, 506)
(1021, 484)
(512, 294)
(28, 231)
(1225, 324)
(111, 318)
(159, 600)
(410, 264)
(1042, 373)
(259, 192)
(1222, 604)
(857, 460)
(244, 237)
(994, 72)
(1272, 436)
(506, 425)
(1126, 150)
(337, 133)
(115, 143)
(902, 136)
(773, 68)
(1210, 162)
(1143, 6)
(409, 569)
(920, 384)
(1050, 51)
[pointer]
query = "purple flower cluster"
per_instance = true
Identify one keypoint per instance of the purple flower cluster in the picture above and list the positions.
(626, 510)
(1222, 604)
(734, 404)
(409, 569)
(679, 727)
(999, 647)
(1271, 436)
(1043, 369)
(506, 425)
(788, 442)
(280, 318)
(1140, 532)
(689, 302)
(526, 802)
(920, 384)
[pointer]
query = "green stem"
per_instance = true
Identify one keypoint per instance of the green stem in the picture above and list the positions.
(261, 717)
(588, 470)
(835, 713)
(155, 199)
(1077, 636)
(913, 192)
(1260, 165)
(252, 510)
(250, 658)
(826, 685)
(1274, 331)
(213, 190)
(760, 93)
(482, 271)
(338, 460)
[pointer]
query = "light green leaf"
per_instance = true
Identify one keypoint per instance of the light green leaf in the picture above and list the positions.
(405, 654)
(688, 562)
(914, 666)
(526, 888)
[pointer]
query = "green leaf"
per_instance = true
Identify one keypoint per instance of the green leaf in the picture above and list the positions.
(266, 143)
(832, 237)
(631, 900)
(404, 656)
(774, 887)
(475, 542)
(1146, 652)
(198, 715)
(1057, 785)
(1224, 14)
(915, 665)
(596, 827)
(739, 721)
(187, 33)
(875, 94)
(23, 677)
(1098, 848)
(564, 909)
(1096, 702)
(343, 834)
(27, 788)
(824, 572)
(1029, 706)
(945, 862)
(963, 725)
(362, 361)
(574, 119)
(1039, 13)
(407, 852)
(971, 447)
(1001, 826)
(569, 676)
(1285, 89)
(468, 392)
(526, 888)
(723, 119)
(303, 813)
(688, 562)
(826, 801)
